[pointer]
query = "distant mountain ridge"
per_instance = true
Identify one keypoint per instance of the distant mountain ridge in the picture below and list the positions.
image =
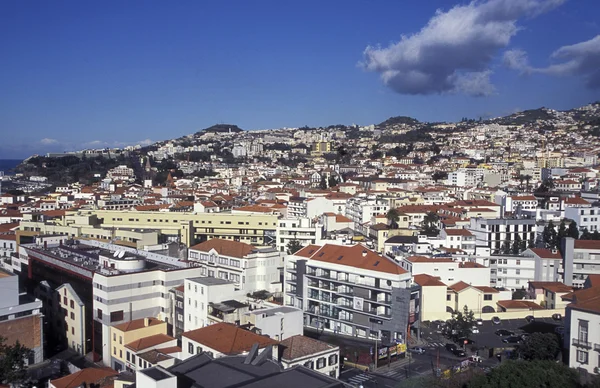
(221, 128)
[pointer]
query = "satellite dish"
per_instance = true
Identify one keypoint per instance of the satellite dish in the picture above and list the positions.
(116, 254)
(121, 254)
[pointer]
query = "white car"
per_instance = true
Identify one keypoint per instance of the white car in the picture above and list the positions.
(417, 349)
(475, 330)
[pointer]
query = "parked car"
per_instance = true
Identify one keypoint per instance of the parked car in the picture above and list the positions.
(451, 347)
(504, 333)
(479, 322)
(512, 340)
(458, 352)
(556, 317)
(496, 320)
(530, 318)
(417, 349)
(475, 330)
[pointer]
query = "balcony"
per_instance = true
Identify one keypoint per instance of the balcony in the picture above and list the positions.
(582, 344)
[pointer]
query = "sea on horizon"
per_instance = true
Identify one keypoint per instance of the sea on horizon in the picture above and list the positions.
(7, 165)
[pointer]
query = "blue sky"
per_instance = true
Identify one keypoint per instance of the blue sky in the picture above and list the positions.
(78, 74)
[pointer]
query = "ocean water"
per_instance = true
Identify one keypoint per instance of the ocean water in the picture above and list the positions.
(7, 165)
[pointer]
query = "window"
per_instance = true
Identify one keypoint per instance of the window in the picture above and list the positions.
(487, 297)
(127, 355)
(72, 330)
(518, 262)
(333, 359)
(120, 340)
(133, 359)
(114, 351)
(65, 301)
(120, 354)
(582, 357)
(115, 337)
(321, 363)
(72, 316)
(116, 316)
(99, 314)
(518, 272)
(583, 331)
(190, 348)
(72, 304)
(198, 350)
(309, 364)
(448, 297)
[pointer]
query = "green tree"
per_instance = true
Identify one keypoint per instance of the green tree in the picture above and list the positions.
(293, 246)
(461, 323)
(585, 235)
(332, 181)
(430, 223)
(393, 216)
(12, 362)
(519, 294)
(573, 230)
(517, 245)
(528, 374)
(549, 236)
(540, 346)
(439, 175)
(506, 247)
(562, 232)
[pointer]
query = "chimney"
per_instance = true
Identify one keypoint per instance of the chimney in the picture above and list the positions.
(364, 253)
(146, 322)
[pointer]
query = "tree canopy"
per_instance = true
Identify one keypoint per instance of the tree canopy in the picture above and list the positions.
(12, 362)
(540, 346)
(528, 374)
(293, 246)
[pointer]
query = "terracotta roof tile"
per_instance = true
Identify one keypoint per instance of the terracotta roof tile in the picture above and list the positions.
(300, 346)
(356, 256)
(148, 342)
(459, 286)
(519, 304)
(88, 376)
(225, 247)
(546, 253)
(425, 280)
(587, 244)
(227, 338)
(137, 324)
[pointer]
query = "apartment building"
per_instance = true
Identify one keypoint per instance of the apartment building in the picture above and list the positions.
(587, 218)
(509, 271)
(582, 330)
(547, 263)
(129, 340)
(277, 322)
(177, 317)
(200, 294)
(248, 267)
(479, 299)
(75, 325)
(581, 258)
(447, 270)
(458, 239)
(361, 209)
(491, 234)
(115, 283)
(350, 290)
(304, 230)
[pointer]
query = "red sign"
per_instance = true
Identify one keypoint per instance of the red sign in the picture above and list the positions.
(466, 342)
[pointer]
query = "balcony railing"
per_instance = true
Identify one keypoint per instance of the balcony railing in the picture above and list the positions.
(581, 343)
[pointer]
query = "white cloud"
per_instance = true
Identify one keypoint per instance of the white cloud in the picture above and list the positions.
(48, 141)
(580, 59)
(452, 53)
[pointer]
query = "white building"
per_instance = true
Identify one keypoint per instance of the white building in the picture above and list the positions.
(581, 258)
(312, 353)
(361, 209)
(303, 230)
(585, 217)
(509, 271)
(448, 271)
(248, 267)
(350, 290)
(277, 322)
(199, 293)
(582, 330)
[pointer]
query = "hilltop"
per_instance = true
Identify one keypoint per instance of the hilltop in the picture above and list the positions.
(221, 128)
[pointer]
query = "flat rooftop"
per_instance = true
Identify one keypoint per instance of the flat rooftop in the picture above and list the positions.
(210, 281)
(273, 311)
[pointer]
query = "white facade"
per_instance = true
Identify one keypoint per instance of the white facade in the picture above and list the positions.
(279, 322)
(303, 230)
(199, 293)
(360, 209)
(585, 217)
(509, 271)
(448, 270)
(258, 270)
(582, 337)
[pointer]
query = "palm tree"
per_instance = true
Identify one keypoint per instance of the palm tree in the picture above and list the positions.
(393, 216)
(430, 223)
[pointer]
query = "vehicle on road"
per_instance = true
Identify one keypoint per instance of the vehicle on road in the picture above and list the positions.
(496, 320)
(530, 318)
(475, 330)
(512, 340)
(458, 352)
(504, 333)
(451, 347)
(556, 317)
(417, 350)
(479, 322)
(476, 359)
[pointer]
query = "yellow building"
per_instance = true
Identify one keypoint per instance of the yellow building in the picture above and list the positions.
(190, 227)
(126, 333)
(321, 147)
(479, 299)
(433, 293)
(75, 322)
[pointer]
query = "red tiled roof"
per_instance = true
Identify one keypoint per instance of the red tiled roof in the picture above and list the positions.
(148, 342)
(424, 259)
(457, 232)
(138, 324)
(487, 289)
(458, 287)
(425, 280)
(225, 247)
(88, 376)
(471, 264)
(355, 256)
(341, 218)
(299, 346)
(519, 304)
(546, 253)
(227, 338)
(587, 244)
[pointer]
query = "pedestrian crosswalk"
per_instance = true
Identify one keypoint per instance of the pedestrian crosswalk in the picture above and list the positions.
(358, 379)
(433, 345)
(396, 374)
